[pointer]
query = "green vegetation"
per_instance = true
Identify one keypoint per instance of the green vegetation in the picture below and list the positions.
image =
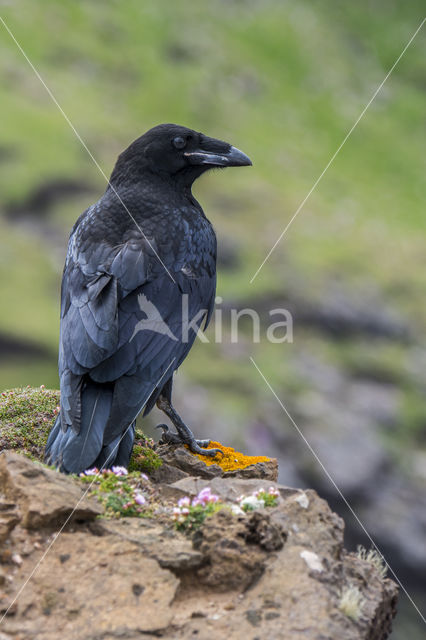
(26, 416)
(144, 458)
(189, 514)
(120, 493)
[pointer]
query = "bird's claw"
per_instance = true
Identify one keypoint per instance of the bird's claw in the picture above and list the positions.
(195, 446)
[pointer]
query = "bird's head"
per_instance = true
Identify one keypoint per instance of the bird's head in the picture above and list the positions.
(176, 152)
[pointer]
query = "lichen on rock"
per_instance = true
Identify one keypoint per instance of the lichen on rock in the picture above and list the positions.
(231, 460)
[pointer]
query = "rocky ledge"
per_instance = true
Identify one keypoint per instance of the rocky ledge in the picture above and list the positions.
(71, 570)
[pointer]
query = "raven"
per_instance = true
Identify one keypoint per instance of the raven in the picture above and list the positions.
(140, 261)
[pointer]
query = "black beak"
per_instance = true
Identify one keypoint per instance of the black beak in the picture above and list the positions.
(230, 158)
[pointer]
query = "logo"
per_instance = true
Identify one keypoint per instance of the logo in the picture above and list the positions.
(226, 328)
(153, 321)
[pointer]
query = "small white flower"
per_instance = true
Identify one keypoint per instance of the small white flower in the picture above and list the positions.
(235, 509)
(252, 503)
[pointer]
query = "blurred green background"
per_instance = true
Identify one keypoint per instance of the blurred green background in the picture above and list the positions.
(284, 81)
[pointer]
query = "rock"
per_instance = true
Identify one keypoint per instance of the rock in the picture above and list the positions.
(171, 552)
(103, 584)
(380, 595)
(167, 474)
(231, 563)
(278, 572)
(183, 460)
(226, 489)
(45, 498)
(9, 518)
(191, 465)
(262, 470)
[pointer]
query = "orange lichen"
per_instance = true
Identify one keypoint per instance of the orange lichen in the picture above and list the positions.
(231, 459)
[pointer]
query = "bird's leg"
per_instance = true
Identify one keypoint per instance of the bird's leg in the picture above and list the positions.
(184, 434)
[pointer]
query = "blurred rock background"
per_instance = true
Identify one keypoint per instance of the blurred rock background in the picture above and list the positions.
(284, 81)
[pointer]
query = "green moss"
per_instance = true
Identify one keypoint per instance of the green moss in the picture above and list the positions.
(144, 457)
(26, 416)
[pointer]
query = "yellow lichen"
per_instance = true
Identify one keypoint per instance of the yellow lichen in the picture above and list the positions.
(231, 459)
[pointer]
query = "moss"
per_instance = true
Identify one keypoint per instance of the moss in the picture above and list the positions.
(26, 416)
(144, 457)
(231, 459)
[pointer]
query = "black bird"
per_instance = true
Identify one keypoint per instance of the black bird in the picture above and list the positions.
(135, 259)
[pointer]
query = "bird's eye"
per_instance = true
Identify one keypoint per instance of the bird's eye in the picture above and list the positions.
(179, 142)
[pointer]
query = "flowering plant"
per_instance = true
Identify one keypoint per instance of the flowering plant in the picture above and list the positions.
(190, 514)
(259, 499)
(119, 491)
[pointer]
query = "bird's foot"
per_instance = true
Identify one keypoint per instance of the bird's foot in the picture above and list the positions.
(187, 437)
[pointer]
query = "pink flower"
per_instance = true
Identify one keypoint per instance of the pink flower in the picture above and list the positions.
(139, 499)
(90, 472)
(119, 471)
(204, 497)
(184, 502)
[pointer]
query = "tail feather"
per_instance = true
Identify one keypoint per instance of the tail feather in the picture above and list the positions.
(52, 449)
(118, 451)
(74, 452)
